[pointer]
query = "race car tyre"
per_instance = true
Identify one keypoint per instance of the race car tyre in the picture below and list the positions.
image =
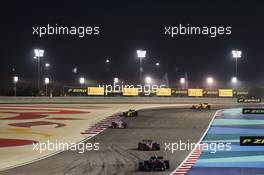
(141, 167)
(142, 147)
(163, 168)
(114, 125)
(124, 125)
(156, 146)
(167, 163)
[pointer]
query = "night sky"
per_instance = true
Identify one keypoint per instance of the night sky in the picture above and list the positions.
(126, 26)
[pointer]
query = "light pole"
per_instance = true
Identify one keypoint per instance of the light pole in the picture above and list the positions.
(141, 54)
(234, 80)
(236, 54)
(82, 81)
(210, 81)
(116, 80)
(148, 80)
(182, 81)
(47, 81)
(47, 65)
(38, 54)
(15, 80)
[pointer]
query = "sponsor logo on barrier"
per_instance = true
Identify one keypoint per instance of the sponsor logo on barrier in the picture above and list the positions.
(249, 100)
(252, 141)
(195, 92)
(225, 93)
(130, 91)
(241, 92)
(253, 110)
(163, 92)
(179, 91)
(77, 90)
(211, 92)
(95, 91)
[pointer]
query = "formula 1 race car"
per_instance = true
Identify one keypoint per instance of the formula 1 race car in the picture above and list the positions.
(148, 145)
(130, 113)
(118, 125)
(155, 163)
(201, 106)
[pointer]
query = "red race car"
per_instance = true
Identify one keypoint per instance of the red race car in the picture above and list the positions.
(155, 163)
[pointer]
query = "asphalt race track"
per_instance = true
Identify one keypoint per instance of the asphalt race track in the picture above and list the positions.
(118, 154)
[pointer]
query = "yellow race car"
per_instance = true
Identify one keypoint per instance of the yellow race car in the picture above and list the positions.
(201, 106)
(130, 113)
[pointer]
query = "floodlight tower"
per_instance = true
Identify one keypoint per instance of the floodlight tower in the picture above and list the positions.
(141, 54)
(38, 54)
(236, 54)
(82, 81)
(15, 80)
(148, 80)
(183, 82)
(210, 81)
(46, 81)
(234, 80)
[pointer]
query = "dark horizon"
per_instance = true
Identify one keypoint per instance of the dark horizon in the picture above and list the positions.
(126, 27)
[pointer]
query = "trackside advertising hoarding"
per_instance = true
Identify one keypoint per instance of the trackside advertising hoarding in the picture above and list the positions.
(95, 91)
(249, 100)
(163, 92)
(210, 93)
(179, 92)
(76, 91)
(130, 91)
(242, 95)
(195, 92)
(225, 92)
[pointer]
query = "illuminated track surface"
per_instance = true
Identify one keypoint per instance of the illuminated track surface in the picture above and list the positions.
(240, 160)
(118, 154)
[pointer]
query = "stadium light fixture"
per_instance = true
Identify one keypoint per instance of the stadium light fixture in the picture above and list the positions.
(107, 61)
(82, 80)
(148, 80)
(47, 65)
(210, 80)
(182, 80)
(157, 64)
(38, 54)
(141, 54)
(234, 79)
(115, 80)
(236, 54)
(46, 81)
(75, 70)
(15, 80)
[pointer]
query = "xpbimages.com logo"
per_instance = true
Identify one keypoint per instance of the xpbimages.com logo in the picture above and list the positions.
(211, 31)
(63, 146)
(52, 30)
(188, 146)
